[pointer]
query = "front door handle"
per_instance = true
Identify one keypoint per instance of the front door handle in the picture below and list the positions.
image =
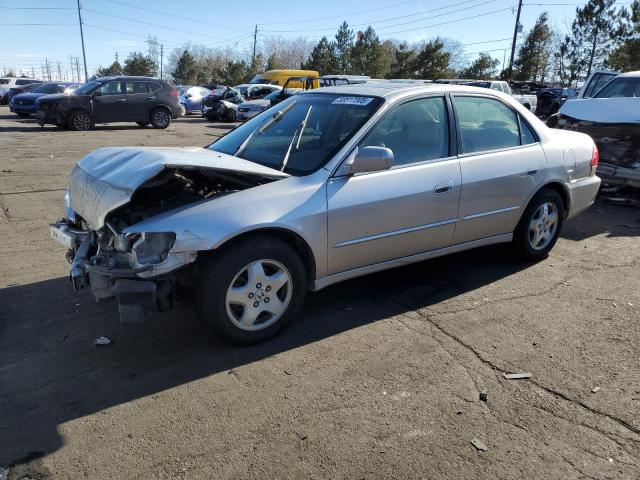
(121, 100)
(531, 170)
(150, 98)
(443, 187)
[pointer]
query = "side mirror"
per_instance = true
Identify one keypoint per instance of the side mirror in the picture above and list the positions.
(368, 159)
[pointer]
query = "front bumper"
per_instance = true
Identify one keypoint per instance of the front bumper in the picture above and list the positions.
(134, 292)
(23, 108)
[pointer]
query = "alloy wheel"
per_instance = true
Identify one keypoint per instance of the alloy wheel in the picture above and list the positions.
(543, 226)
(81, 122)
(161, 118)
(259, 295)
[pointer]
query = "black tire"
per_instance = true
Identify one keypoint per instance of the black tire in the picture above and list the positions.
(231, 115)
(183, 110)
(80, 121)
(529, 242)
(142, 124)
(218, 272)
(160, 118)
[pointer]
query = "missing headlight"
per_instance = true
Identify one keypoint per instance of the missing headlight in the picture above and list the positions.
(153, 247)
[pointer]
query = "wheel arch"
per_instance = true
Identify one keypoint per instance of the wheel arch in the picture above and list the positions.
(559, 188)
(162, 106)
(289, 237)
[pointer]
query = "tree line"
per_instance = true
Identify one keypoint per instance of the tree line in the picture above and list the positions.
(601, 35)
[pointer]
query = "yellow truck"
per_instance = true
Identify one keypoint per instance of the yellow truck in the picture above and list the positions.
(280, 77)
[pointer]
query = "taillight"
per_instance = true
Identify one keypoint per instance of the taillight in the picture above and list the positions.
(174, 93)
(595, 158)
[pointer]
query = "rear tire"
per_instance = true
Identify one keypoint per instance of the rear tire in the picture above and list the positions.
(540, 226)
(250, 291)
(183, 110)
(80, 121)
(160, 118)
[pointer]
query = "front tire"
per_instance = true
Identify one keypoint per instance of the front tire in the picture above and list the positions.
(160, 118)
(80, 121)
(540, 226)
(250, 291)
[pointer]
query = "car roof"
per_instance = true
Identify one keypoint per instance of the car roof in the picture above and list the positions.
(630, 74)
(392, 89)
(129, 77)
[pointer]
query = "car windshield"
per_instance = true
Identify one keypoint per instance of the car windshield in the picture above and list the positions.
(4, 81)
(300, 134)
(620, 87)
(49, 88)
(87, 87)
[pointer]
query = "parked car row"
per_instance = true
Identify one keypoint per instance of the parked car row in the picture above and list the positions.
(24, 104)
(7, 83)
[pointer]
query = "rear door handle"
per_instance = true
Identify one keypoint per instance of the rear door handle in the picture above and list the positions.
(443, 187)
(150, 98)
(122, 100)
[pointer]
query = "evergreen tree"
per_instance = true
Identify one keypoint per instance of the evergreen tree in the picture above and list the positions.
(114, 69)
(272, 62)
(595, 30)
(405, 62)
(432, 61)
(482, 67)
(138, 64)
(186, 71)
(626, 57)
(367, 55)
(323, 58)
(533, 61)
(343, 46)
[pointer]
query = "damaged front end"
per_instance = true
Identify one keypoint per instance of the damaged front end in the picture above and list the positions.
(614, 125)
(139, 269)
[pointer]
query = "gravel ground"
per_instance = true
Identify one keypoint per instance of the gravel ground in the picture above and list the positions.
(379, 378)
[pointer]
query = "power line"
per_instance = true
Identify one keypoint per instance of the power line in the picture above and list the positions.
(153, 24)
(397, 18)
(172, 15)
(341, 15)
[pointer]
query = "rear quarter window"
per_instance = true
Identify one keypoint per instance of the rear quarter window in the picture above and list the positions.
(154, 86)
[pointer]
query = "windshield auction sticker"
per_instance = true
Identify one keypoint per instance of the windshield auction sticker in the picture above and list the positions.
(363, 101)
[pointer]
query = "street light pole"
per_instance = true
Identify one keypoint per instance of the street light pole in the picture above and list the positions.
(84, 55)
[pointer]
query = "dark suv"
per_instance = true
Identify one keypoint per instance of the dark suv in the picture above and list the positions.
(142, 100)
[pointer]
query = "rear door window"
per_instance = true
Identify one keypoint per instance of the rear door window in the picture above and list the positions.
(154, 86)
(136, 87)
(24, 81)
(486, 124)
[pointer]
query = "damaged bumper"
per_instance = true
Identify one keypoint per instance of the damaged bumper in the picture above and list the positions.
(112, 274)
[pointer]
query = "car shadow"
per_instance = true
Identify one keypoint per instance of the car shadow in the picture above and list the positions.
(603, 217)
(51, 373)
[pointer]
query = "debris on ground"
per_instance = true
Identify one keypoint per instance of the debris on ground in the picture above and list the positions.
(595, 390)
(102, 341)
(484, 396)
(516, 376)
(479, 444)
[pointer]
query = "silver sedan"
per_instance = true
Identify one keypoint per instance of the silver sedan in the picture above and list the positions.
(328, 185)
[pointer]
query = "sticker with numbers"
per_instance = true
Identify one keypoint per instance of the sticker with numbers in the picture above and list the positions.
(363, 101)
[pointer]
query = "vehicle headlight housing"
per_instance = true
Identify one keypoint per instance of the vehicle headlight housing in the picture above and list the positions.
(153, 248)
(69, 214)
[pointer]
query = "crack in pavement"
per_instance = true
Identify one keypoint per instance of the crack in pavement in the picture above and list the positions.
(42, 190)
(626, 425)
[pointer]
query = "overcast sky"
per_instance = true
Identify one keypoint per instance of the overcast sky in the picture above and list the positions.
(32, 30)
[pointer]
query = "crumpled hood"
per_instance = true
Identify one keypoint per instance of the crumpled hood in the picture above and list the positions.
(603, 110)
(107, 178)
(53, 97)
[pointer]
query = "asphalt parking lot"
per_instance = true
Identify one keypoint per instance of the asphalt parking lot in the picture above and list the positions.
(379, 378)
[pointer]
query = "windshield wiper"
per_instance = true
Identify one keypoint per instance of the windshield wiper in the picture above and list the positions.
(298, 133)
(275, 118)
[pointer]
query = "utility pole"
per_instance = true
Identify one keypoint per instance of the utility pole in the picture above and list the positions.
(73, 70)
(161, 58)
(48, 69)
(78, 69)
(84, 55)
(513, 45)
(255, 40)
(33, 72)
(59, 72)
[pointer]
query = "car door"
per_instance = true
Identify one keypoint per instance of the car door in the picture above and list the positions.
(108, 106)
(407, 210)
(137, 101)
(501, 162)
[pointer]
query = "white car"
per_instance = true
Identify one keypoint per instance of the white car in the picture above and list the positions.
(9, 82)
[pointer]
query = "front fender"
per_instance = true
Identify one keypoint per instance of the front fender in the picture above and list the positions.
(294, 204)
